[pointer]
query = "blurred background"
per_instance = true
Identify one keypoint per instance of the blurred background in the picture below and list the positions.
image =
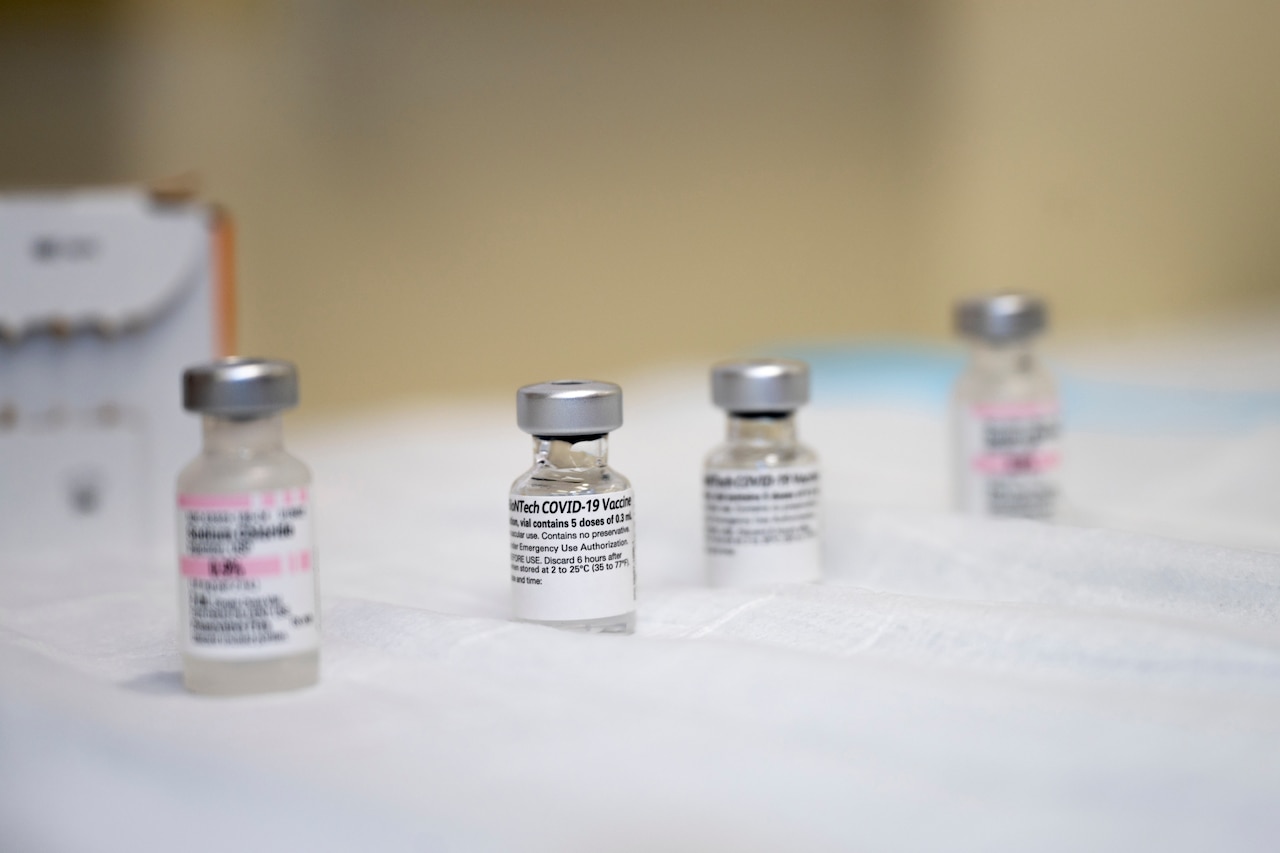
(463, 197)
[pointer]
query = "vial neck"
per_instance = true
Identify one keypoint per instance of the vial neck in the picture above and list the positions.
(1003, 357)
(571, 453)
(773, 430)
(243, 436)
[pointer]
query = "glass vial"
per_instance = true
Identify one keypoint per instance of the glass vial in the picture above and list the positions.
(1005, 412)
(572, 526)
(249, 620)
(762, 490)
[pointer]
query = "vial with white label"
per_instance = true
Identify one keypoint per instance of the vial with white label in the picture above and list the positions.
(762, 490)
(1005, 412)
(248, 597)
(571, 517)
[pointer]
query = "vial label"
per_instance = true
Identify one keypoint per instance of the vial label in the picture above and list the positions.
(247, 581)
(762, 526)
(1012, 459)
(572, 557)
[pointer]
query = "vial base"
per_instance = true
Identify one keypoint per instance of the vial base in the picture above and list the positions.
(624, 624)
(239, 678)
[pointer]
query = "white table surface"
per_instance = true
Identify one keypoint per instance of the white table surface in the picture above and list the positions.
(955, 684)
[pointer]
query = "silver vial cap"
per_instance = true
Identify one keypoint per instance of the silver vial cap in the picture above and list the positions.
(1002, 317)
(240, 387)
(760, 385)
(569, 407)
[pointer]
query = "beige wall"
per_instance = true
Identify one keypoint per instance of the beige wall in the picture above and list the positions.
(1122, 156)
(435, 198)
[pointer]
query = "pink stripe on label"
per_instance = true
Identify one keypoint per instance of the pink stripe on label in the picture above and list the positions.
(214, 501)
(299, 561)
(230, 567)
(1015, 410)
(1016, 463)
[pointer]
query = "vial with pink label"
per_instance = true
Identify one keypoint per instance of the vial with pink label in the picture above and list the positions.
(248, 597)
(1005, 412)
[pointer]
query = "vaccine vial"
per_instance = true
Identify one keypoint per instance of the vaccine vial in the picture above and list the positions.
(572, 523)
(1005, 412)
(248, 595)
(762, 489)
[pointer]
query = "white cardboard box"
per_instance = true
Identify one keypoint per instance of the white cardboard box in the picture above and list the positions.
(105, 296)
